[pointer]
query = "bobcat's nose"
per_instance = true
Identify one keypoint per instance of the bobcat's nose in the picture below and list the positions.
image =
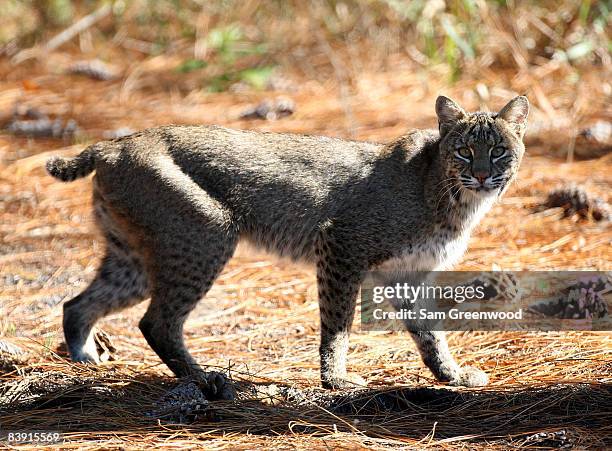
(481, 176)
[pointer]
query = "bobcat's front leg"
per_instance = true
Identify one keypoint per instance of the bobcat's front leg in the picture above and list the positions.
(338, 287)
(434, 351)
(432, 345)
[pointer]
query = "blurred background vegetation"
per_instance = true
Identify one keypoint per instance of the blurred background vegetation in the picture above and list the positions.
(229, 41)
(364, 69)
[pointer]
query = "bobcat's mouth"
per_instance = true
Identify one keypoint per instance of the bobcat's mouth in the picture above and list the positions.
(490, 186)
(482, 191)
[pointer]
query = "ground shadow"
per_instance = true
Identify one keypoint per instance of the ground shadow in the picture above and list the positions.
(114, 404)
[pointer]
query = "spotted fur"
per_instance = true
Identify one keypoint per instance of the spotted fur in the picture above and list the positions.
(174, 201)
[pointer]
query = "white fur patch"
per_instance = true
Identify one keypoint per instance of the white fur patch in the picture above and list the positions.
(436, 254)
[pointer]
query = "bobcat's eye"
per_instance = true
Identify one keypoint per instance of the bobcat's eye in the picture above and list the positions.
(498, 152)
(464, 153)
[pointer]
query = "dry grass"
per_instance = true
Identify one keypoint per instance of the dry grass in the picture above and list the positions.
(260, 319)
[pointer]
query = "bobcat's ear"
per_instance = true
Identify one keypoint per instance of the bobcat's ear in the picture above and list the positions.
(515, 113)
(448, 114)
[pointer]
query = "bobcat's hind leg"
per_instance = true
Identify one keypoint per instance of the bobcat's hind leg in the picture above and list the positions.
(119, 283)
(434, 351)
(186, 263)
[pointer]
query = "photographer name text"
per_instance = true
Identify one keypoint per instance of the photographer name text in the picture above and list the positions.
(424, 314)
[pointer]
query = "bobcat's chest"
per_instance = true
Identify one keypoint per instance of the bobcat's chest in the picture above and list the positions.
(438, 252)
(442, 248)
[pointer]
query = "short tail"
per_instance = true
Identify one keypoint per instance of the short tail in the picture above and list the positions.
(69, 169)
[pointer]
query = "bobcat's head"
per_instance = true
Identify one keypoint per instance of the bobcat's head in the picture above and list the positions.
(481, 151)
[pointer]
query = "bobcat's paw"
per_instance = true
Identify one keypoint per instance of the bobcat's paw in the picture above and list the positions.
(470, 377)
(86, 353)
(216, 386)
(97, 348)
(350, 380)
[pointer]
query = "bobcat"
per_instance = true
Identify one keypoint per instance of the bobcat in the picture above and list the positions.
(173, 202)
